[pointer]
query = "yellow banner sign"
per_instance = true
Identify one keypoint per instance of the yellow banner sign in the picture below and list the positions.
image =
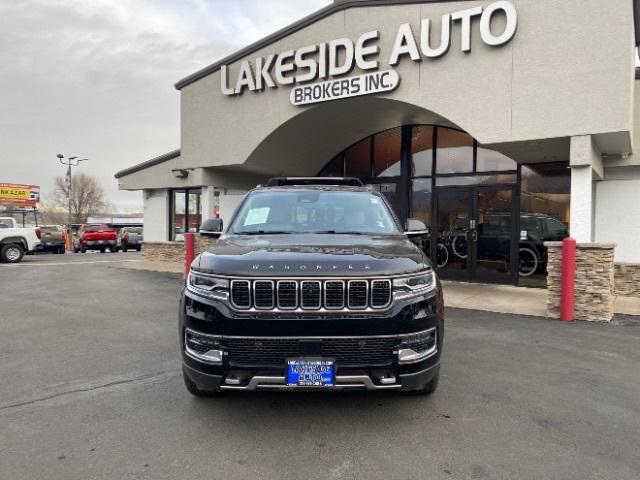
(18, 193)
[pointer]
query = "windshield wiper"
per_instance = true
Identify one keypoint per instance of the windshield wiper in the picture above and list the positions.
(336, 232)
(265, 232)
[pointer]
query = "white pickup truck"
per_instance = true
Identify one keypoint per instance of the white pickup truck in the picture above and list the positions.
(15, 242)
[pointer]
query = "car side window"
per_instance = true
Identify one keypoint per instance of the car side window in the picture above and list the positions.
(529, 228)
(556, 229)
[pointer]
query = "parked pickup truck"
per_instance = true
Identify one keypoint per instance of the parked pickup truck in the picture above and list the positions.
(15, 242)
(95, 237)
(53, 239)
(130, 237)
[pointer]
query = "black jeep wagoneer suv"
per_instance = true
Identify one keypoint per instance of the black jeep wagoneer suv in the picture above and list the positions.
(312, 286)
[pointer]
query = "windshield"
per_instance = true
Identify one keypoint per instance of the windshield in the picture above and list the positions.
(314, 211)
(96, 228)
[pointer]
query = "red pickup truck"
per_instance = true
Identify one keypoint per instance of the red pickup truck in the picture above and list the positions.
(95, 237)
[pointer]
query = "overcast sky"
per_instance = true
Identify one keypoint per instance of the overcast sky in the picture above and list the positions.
(94, 78)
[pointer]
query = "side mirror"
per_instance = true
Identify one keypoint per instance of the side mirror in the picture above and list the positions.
(415, 227)
(211, 228)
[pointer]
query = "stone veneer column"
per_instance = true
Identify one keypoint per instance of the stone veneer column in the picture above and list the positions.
(594, 284)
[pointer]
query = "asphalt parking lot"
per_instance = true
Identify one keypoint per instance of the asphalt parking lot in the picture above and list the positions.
(91, 389)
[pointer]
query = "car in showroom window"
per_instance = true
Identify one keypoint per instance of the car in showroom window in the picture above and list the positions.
(312, 287)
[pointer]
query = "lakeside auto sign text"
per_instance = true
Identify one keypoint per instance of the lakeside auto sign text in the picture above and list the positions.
(337, 58)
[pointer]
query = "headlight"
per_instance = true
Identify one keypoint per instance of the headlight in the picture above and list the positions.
(420, 283)
(208, 285)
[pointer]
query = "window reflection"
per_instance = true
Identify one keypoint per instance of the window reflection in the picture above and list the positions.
(358, 159)
(421, 200)
(476, 180)
(455, 152)
(422, 151)
(387, 148)
(492, 161)
(544, 206)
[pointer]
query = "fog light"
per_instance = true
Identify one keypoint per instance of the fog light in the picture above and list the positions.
(203, 347)
(417, 346)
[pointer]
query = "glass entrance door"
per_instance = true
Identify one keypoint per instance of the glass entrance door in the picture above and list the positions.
(476, 228)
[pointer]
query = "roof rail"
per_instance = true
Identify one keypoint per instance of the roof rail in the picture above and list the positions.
(345, 181)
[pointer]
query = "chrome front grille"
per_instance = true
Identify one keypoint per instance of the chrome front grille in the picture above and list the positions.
(263, 294)
(299, 294)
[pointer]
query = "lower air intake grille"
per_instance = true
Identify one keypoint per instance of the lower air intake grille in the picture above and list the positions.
(275, 351)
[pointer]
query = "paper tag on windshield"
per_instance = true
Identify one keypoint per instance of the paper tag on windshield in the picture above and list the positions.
(256, 216)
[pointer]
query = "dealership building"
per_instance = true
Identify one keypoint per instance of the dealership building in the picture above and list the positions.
(499, 124)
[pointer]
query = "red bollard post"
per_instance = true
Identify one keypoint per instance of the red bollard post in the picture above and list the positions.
(568, 279)
(189, 251)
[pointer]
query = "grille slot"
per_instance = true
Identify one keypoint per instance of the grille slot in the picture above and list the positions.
(369, 351)
(334, 294)
(287, 294)
(240, 294)
(263, 295)
(380, 293)
(357, 294)
(310, 296)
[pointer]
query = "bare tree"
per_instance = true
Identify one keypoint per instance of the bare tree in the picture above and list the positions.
(87, 197)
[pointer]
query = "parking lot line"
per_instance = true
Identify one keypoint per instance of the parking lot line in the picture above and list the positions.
(54, 264)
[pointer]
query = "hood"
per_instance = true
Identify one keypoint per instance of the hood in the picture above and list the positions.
(311, 255)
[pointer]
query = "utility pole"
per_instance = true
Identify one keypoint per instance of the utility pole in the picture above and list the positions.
(69, 162)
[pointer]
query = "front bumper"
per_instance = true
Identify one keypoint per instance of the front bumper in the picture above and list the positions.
(419, 314)
(349, 380)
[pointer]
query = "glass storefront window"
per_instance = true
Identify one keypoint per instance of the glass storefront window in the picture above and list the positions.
(185, 213)
(387, 147)
(454, 152)
(194, 220)
(421, 200)
(422, 151)
(492, 161)
(546, 189)
(358, 159)
(462, 180)
(544, 214)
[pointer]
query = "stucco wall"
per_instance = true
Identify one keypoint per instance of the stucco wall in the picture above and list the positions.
(567, 72)
(156, 211)
(617, 219)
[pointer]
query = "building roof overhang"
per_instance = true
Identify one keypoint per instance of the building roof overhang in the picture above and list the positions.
(149, 163)
(336, 6)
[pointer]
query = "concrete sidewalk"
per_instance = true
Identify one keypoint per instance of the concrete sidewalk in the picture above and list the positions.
(471, 296)
(511, 299)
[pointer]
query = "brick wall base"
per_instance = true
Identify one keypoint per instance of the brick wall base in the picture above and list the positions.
(594, 283)
(172, 251)
(627, 279)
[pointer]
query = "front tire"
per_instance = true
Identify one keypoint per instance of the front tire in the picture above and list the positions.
(11, 253)
(528, 262)
(196, 391)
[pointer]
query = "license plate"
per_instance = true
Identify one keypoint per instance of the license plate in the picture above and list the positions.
(311, 372)
(100, 241)
(48, 243)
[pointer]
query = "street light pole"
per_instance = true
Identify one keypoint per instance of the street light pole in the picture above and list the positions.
(70, 162)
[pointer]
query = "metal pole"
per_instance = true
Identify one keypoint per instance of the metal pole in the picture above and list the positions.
(69, 199)
(567, 286)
